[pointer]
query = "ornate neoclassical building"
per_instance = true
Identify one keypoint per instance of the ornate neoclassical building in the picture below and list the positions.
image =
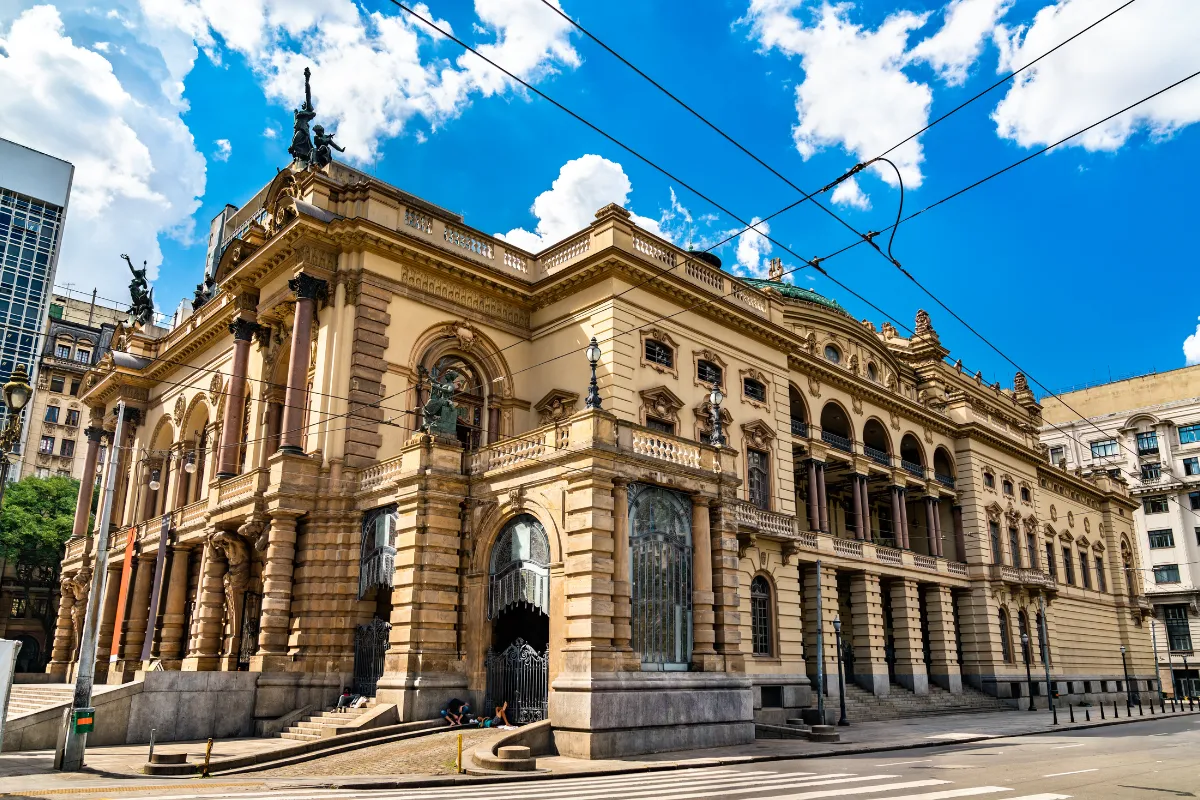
(280, 509)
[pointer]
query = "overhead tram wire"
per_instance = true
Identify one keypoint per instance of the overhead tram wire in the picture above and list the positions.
(857, 168)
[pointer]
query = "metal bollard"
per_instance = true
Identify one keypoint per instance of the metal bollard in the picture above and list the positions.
(207, 757)
(1071, 711)
(1140, 712)
(1152, 708)
(1101, 709)
(150, 757)
(1116, 710)
(1087, 715)
(459, 763)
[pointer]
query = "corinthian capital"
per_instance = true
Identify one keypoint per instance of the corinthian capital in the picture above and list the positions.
(243, 329)
(306, 286)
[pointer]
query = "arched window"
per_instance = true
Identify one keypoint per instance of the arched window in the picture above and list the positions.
(519, 571)
(1025, 493)
(758, 478)
(1008, 487)
(1005, 637)
(660, 560)
(760, 616)
(833, 354)
(377, 554)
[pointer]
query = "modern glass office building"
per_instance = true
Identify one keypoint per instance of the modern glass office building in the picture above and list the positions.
(34, 189)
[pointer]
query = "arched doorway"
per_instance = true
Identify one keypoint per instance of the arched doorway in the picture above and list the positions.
(518, 606)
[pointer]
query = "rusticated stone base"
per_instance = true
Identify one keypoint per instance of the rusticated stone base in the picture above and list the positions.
(622, 714)
(421, 696)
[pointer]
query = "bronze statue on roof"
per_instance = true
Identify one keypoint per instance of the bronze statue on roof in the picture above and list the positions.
(141, 310)
(313, 149)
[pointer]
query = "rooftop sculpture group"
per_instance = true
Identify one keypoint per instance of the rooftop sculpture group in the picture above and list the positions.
(315, 150)
(141, 310)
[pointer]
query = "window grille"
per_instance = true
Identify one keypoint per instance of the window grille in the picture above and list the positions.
(660, 538)
(659, 353)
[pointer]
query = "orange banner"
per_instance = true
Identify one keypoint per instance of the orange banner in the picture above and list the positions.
(123, 594)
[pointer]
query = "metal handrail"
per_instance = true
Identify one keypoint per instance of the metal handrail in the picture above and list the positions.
(944, 480)
(878, 456)
(913, 468)
(839, 442)
(799, 427)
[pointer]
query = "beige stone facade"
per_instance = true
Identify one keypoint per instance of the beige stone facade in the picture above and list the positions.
(674, 586)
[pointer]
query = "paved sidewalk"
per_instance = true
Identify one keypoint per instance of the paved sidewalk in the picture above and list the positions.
(113, 768)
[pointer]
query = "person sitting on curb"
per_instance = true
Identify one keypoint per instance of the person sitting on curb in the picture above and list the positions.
(454, 712)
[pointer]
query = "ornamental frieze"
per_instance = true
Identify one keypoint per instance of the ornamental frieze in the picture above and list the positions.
(466, 298)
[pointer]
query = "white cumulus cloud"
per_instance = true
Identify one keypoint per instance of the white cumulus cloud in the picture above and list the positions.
(1142, 49)
(372, 72)
(849, 193)
(857, 92)
(753, 247)
(584, 185)
(224, 150)
(1191, 348)
(137, 171)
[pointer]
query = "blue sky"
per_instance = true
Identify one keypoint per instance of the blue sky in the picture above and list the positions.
(1077, 264)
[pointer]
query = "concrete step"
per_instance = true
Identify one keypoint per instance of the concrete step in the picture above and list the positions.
(299, 736)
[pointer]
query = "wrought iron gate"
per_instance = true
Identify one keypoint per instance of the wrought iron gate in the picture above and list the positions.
(520, 676)
(371, 641)
(248, 631)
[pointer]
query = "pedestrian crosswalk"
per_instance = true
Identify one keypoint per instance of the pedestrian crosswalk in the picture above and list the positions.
(683, 784)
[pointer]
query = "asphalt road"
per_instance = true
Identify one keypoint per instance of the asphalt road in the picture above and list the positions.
(1151, 759)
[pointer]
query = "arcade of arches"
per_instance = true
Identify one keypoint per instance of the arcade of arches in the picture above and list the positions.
(295, 502)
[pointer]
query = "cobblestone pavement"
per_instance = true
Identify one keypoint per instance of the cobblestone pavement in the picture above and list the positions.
(427, 755)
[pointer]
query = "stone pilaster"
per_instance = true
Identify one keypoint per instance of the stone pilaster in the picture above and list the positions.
(827, 578)
(173, 635)
(589, 575)
(243, 331)
(278, 564)
(208, 626)
(906, 629)
(108, 614)
(943, 666)
(703, 629)
(422, 669)
(727, 616)
(867, 634)
(622, 596)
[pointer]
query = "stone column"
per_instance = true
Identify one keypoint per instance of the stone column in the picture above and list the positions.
(904, 519)
(64, 635)
(860, 530)
(943, 662)
(183, 481)
(906, 628)
(139, 610)
(108, 615)
(866, 506)
(243, 330)
(814, 491)
(209, 624)
(149, 496)
(822, 502)
(930, 533)
(278, 565)
(937, 528)
(960, 540)
(87, 482)
(703, 633)
(829, 612)
(307, 289)
(175, 612)
(622, 596)
(897, 519)
(726, 582)
(867, 633)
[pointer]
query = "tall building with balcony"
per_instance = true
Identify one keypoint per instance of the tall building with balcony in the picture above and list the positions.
(76, 336)
(34, 189)
(1146, 430)
(375, 458)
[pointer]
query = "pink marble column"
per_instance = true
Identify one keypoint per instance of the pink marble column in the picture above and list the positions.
(307, 289)
(235, 399)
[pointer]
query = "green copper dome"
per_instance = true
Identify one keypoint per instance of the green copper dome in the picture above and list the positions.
(796, 293)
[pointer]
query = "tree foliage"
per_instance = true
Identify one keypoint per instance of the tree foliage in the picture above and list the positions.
(36, 519)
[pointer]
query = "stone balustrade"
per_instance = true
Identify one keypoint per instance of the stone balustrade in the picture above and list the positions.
(1020, 576)
(379, 474)
(240, 488)
(192, 515)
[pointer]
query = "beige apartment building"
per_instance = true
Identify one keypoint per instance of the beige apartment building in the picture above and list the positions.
(77, 334)
(1146, 429)
(372, 459)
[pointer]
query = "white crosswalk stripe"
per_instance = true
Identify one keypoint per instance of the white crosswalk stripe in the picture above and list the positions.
(685, 784)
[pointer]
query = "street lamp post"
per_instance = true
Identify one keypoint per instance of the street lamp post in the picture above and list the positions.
(16, 394)
(1187, 692)
(593, 356)
(1125, 669)
(837, 635)
(1046, 656)
(1028, 673)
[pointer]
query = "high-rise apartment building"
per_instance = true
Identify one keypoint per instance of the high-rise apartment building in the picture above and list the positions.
(34, 189)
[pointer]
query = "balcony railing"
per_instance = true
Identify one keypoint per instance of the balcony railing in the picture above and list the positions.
(799, 428)
(838, 442)
(944, 480)
(913, 468)
(1019, 576)
(767, 522)
(878, 456)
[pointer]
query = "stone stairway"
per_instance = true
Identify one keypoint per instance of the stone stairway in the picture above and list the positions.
(863, 706)
(313, 726)
(30, 698)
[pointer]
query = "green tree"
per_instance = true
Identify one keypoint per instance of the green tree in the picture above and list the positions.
(36, 520)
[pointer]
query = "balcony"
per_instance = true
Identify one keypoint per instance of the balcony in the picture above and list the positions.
(837, 442)
(944, 480)
(1019, 576)
(878, 456)
(913, 468)
(799, 428)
